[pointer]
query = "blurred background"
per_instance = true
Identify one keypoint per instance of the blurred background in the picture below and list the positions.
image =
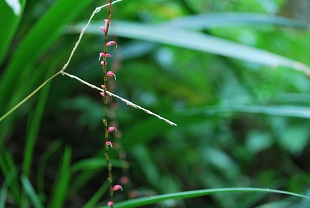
(232, 74)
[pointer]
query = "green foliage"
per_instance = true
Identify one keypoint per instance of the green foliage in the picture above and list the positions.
(231, 74)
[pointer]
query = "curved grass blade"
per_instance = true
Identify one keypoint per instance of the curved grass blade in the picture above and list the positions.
(35, 124)
(60, 190)
(197, 41)
(197, 193)
(31, 192)
(40, 37)
(42, 164)
(9, 23)
(96, 197)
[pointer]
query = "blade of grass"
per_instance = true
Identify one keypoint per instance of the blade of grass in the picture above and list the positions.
(35, 123)
(60, 190)
(7, 164)
(96, 197)
(31, 192)
(40, 37)
(197, 41)
(4, 189)
(9, 25)
(42, 164)
(197, 193)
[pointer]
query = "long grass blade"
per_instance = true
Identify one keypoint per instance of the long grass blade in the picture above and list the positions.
(31, 192)
(197, 41)
(197, 193)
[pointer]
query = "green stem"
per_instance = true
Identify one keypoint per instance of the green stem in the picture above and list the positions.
(105, 120)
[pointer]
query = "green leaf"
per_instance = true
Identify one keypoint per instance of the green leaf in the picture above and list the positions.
(43, 162)
(197, 41)
(60, 190)
(9, 22)
(97, 196)
(31, 192)
(7, 164)
(34, 125)
(197, 193)
(41, 36)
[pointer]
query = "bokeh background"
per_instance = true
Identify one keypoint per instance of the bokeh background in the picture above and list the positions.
(232, 74)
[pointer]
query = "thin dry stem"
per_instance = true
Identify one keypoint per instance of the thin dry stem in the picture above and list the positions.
(122, 99)
(83, 31)
(62, 71)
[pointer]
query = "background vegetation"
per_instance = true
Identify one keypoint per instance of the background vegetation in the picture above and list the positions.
(231, 74)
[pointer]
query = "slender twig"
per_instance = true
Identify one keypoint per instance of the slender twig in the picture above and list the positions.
(29, 96)
(63, 68)
(83, 31)
(122, 99)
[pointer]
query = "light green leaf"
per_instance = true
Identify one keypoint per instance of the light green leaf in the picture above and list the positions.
(196, 41)
(9, 23)
(31, 192)
(197, 193)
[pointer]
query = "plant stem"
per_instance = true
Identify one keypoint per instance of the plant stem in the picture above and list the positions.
(105, 98)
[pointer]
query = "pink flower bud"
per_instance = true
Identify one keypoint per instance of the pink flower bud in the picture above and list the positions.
(108, 143)
(117, 187)
(104, 55)
(102, 63)
(110, 43)
(107, 21)
(102, 86)
(110, 203)
(104, 30)
(111, 74)
(112, 128)
(102, 94)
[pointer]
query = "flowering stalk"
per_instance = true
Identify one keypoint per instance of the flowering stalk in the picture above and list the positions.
(106, 74)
